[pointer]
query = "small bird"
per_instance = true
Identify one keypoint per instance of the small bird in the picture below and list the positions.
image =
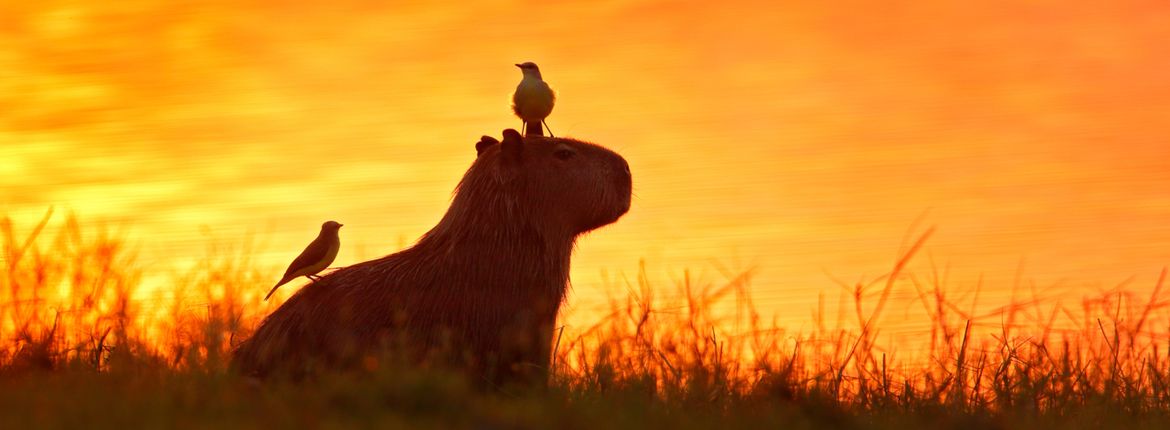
(533, 100)
(315, 258)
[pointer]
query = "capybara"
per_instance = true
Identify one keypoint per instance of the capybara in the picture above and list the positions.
(483, 286)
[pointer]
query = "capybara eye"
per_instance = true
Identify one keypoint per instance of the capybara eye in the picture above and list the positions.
(564, 154)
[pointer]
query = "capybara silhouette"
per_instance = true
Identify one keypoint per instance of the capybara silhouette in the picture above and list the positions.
(481, 289)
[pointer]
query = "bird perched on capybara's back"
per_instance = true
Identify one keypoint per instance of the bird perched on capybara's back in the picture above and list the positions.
(483, 286)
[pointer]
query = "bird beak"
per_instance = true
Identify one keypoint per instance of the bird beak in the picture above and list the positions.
(520, 66)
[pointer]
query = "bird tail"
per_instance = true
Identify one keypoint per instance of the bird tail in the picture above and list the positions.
(274, 287)
(533, 128)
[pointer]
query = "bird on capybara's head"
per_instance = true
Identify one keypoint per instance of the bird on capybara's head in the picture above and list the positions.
(480, 290)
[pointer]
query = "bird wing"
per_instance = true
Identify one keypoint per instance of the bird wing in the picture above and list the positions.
(516, 98)
(312, 254)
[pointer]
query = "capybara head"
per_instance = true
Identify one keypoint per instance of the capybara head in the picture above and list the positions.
(559, 186)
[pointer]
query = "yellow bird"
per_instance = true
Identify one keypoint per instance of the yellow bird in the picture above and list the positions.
(533, 100)
(315, 258)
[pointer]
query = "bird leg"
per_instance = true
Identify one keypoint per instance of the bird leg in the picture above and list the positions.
(546, 126)
(532, 129)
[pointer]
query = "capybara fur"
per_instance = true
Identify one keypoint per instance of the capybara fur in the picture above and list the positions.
(481, 289)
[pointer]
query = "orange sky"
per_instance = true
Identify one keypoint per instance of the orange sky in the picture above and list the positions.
(803, 140)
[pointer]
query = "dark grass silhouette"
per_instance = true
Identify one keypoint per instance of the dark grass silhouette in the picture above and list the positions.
(481, 290)
(76, 349)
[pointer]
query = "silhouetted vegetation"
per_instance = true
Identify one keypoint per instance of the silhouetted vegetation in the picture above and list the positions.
(84, 343)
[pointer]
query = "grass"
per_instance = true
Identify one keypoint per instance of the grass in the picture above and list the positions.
(79, 347)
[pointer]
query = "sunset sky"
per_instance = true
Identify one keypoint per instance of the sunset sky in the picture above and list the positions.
(805, 140)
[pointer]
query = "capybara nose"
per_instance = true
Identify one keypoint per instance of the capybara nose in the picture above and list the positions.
(626, 178)
(621, 168)
(624, 182)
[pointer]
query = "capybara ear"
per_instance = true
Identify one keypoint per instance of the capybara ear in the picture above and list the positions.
(513, 144)
(484, 143)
